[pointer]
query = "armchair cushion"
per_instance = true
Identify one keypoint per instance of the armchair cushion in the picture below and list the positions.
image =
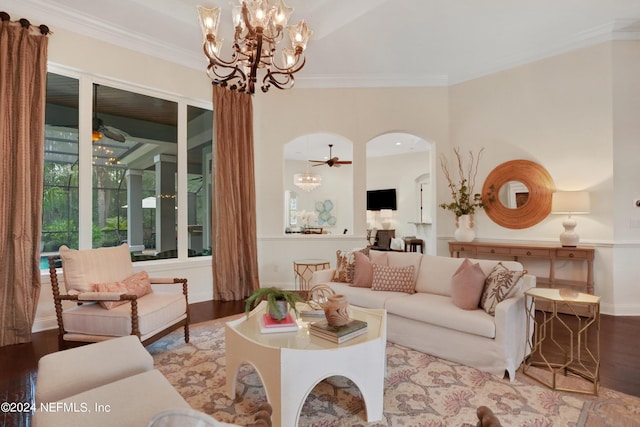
(83, 268)
(155, 312)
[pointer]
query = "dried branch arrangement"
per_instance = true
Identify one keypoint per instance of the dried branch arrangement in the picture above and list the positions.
(465, 201)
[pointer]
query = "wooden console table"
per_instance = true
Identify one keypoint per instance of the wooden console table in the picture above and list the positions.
(551, 253)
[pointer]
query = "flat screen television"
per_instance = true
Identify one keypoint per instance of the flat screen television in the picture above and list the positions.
(381, 199)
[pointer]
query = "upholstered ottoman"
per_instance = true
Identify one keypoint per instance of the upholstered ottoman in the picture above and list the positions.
(79, 369)
(129, 402)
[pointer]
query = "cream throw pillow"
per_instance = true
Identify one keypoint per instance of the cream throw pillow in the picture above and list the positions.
(497, 287)
(83, 268)
(467, 284)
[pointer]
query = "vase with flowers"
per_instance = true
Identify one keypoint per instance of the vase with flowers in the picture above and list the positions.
(464, 201)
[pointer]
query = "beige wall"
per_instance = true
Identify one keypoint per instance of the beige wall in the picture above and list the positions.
(575, 114)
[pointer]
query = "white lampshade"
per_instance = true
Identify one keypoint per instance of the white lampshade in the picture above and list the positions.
(570, 203)
(385, 218)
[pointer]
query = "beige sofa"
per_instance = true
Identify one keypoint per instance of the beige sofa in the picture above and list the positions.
(429, 321)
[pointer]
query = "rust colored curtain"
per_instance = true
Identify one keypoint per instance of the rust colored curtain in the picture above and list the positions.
(23, 68)
(235, 251)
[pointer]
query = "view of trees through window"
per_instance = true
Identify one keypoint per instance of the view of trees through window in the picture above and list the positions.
(134, 170)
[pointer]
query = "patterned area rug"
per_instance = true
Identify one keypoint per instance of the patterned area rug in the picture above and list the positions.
(420, 390)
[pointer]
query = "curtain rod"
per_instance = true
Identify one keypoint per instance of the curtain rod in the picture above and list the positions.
(44, 30)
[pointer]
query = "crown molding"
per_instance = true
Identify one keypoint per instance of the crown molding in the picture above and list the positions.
(615, 30)
(370, 80)
(86, 25)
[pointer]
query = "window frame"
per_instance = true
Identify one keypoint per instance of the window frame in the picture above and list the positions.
(85, 150)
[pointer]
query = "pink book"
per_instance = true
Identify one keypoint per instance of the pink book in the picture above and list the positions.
(269, 322)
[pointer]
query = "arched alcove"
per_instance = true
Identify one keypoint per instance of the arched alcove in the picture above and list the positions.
(403, 162)
(327, 208)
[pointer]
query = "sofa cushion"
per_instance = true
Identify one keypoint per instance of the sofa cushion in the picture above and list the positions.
(132, 401)
(441, 311)
(404, 259)
(363, 273)
(364, 297)
(345, 265)
(83, 268)
(498, 286)
(65, 373)
(436, 272)
(467, 284)
(397, 279)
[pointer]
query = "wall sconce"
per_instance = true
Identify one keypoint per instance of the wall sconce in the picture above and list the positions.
(570, 203)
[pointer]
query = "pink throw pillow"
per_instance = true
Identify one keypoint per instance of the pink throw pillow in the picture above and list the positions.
(363, 274)
(467, 284)
(137, 284)
(114, 287)
(395, 279)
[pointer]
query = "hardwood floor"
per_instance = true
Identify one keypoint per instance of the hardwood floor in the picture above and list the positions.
(619, 370)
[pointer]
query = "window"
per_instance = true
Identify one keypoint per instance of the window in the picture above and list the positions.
(199, 185)
(60, 195)
(131, 186)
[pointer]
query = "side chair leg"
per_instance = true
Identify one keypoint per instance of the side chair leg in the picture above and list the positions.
(186, 333)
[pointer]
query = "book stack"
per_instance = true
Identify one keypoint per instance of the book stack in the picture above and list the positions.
(269, 326)
(338, 334)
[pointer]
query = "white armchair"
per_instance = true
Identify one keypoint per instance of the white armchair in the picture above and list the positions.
(104, 277)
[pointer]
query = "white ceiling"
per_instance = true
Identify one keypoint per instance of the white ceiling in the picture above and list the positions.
(360, 43)
(363, 42)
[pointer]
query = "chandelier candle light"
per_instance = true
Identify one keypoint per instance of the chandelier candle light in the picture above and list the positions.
(259, 26)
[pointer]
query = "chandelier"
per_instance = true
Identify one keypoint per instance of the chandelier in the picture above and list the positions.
(259, 28)
(307, 181)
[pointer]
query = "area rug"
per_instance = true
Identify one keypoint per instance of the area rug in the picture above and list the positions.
(420, 390)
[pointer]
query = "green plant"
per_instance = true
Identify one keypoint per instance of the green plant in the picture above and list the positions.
(271, 295)
(465, 201)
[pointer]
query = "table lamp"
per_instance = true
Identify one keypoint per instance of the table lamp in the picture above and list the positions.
(570, 203)
(385, 218)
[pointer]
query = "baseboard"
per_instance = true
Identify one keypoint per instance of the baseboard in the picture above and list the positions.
(620, 309)
(44, 324)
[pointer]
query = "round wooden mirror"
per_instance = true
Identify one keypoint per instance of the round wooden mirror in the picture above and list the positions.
(527, 184)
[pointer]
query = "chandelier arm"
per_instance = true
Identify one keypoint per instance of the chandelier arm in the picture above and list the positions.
(236, 73)
(216, 60)
(293, 68)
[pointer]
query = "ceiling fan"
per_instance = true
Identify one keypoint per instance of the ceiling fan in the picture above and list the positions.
(97, 125)
(333, 161)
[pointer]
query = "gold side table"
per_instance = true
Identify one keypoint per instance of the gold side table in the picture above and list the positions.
(304, 268)
(548, 352)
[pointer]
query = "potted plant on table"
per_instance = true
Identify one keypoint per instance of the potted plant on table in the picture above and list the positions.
(465, 201)
(279, 302)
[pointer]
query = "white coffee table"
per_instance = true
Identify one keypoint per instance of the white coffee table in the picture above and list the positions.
(291, 364)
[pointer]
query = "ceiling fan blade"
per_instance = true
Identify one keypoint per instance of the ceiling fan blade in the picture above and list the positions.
(113, 135)
(318, 161)
(344, 162)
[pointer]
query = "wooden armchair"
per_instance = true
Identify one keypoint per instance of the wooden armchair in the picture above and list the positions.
(104, 277)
